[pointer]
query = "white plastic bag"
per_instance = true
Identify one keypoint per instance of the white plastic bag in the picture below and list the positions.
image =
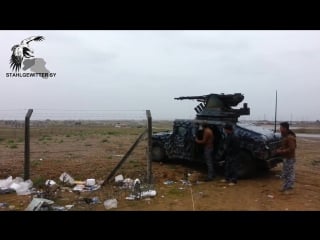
(110, 203)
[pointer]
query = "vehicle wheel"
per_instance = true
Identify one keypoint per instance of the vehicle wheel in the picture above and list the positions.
(247, 166)
(158, 154)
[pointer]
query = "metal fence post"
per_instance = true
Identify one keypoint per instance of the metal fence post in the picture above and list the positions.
(27, 145)
(149, 163)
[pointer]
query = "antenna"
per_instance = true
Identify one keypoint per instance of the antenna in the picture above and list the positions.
(275, 113)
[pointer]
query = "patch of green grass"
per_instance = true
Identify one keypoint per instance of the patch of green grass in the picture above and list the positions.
(45, 138)
(57, 140)
(175, 192)
(11, 144)
(2, 139)
(113, 133)
(35, 163)
(38, 181)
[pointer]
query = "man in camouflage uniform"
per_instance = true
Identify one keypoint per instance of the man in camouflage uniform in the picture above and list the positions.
(231, 148)
(287, 150)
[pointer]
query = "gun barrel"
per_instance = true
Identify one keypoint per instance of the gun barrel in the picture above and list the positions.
(192, 98)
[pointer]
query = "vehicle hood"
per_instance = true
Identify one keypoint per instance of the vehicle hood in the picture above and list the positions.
(161, 134)
(267, 134)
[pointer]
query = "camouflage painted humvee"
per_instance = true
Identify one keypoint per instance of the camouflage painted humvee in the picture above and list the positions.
(257, 144)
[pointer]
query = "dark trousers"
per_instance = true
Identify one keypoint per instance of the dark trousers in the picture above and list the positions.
(231, 169)
(208, 153)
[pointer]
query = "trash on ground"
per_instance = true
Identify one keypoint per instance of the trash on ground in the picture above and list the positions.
(143, 194)
(127, 183)
(131, 197)
(168, 182)
(57, 208)
(186, 182)
(7, 190)
(118, 178)
(90, 182)
(85, 188)
(18, 185)
(79, 182)
(149, 193)
(66, 178)
(93, 200)
(50, 182)
(4, 183)
(110, 203)
(39, 204)
(4, 205)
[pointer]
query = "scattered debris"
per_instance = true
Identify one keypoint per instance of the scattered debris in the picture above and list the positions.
(85, 188)
(39, 204)
(18, 185)
(93, 200)
(149, 193)
(50, 182)
(186, 182)
(68, 207)
(90, 182)
(110, 203)
(131, 197)
(118, 178)
(127, 183)
(3, 205)
(7, 190)
(168, 182)
(137, 188)
(66, 178)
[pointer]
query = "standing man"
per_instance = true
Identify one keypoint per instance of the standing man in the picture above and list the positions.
(207, 141)
(288, 152)
(232, 148)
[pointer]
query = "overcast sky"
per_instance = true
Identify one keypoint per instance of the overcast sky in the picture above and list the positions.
(120, 74)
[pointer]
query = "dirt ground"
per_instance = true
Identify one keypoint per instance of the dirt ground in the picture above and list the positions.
(93, 152)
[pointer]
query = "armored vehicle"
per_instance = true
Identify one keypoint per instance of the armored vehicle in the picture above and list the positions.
(257, 144)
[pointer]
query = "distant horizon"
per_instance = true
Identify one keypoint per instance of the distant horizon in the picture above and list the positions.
(154, 120)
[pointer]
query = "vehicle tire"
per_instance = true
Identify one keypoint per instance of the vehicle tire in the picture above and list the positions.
(157, 154)
(247, 166)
